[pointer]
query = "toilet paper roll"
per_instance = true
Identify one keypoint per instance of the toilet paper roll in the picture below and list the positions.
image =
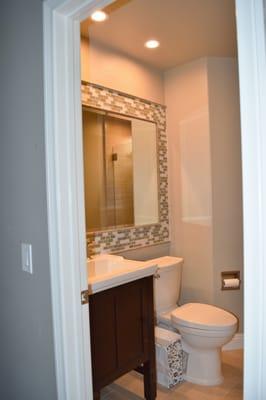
(231, 283)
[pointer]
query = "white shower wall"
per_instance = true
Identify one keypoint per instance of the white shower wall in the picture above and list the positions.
(195, 168)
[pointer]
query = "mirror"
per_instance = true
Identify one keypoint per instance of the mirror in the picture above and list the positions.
(120, 170)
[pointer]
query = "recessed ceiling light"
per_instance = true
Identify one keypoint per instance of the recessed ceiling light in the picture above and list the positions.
(99, 16)
(152, 44)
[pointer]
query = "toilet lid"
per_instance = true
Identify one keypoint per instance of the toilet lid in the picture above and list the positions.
(203, 316)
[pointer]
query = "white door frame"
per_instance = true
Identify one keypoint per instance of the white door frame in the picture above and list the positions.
(252, 75)
(66, 216)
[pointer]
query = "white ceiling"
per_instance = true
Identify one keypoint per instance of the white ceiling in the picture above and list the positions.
(187, 29)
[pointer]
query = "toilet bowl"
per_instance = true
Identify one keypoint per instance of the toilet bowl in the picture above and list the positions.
(204, 328)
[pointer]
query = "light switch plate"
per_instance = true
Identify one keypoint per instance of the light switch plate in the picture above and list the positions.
(26, 257)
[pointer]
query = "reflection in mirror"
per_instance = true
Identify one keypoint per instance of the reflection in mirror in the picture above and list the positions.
(120, 170)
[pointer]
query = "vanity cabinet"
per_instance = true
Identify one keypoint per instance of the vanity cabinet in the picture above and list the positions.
(122, 334)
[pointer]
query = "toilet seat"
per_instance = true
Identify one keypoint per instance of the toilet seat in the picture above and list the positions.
(203, 317)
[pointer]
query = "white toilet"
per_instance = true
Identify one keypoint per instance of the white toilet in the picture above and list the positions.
(204, 328)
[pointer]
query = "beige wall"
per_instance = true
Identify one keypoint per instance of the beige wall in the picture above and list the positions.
(226, 183)
(186, 96)
(109, 68)
(195, 165)
(147, 253)
(212, 244)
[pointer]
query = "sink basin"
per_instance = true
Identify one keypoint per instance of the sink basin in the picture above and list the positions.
(104, 264)
(107, 271)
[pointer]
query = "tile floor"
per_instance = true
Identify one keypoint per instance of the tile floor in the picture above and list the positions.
(130, 386)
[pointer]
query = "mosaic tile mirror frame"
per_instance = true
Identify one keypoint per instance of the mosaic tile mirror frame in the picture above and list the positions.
(122, 239)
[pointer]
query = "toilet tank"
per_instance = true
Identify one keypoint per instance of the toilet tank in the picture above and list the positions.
(167, 285)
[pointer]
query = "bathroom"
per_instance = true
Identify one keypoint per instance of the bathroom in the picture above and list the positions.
(200, 205)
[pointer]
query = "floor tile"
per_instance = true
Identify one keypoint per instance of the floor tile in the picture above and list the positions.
(130, 386)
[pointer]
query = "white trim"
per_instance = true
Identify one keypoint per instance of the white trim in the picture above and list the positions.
(236, 343)
(65, 192)
(64, 172)
(67, 255)
(252, 74)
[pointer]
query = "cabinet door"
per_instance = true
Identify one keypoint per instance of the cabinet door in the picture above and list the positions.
(103, 336)
(122, 330)
(131, 324)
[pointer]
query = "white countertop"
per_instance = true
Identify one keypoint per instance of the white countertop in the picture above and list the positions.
(107, 271)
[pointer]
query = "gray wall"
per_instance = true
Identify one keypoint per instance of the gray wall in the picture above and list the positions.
(26, 357)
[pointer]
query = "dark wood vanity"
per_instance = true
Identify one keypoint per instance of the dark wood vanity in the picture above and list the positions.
(122, 334)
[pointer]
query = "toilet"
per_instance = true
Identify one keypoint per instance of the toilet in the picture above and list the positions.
(204, 328)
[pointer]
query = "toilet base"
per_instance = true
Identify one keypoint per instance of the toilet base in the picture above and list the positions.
(203, 382)
(203, 367)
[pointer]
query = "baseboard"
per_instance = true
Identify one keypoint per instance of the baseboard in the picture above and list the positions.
(236, 343)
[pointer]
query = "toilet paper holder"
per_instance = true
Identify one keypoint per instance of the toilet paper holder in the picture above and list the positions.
(230, 280)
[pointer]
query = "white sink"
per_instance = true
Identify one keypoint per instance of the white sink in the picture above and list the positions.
(106, 271)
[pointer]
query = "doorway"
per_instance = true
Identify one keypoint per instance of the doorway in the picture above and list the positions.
(193, 73)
